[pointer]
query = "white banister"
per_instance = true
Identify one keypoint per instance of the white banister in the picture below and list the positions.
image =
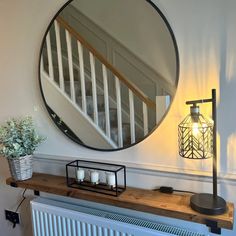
(145, 119)
(70, 62)
(89, 72)
(94, 88)
(119, 112)
(49, 54)
(132, 118)
(59, 56)
(106, 101)
(82, 77)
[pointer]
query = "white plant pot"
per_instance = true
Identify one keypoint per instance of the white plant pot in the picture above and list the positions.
(21, 168)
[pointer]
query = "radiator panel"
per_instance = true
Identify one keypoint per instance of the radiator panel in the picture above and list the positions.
(54, 218)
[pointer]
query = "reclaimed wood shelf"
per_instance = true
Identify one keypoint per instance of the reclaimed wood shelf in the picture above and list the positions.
(169, 205)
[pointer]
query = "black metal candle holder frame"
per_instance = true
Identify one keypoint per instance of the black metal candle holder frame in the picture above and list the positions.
(101, 187)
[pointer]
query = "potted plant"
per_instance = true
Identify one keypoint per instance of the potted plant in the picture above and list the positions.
(18, 141)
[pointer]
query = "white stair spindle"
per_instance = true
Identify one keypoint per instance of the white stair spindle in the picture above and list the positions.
(106, 101)
(119, 112)
(94, 87)
(82, 76)
(132, 118)
(145, 119)
(70, 62)
(59, 56)
(49, 54)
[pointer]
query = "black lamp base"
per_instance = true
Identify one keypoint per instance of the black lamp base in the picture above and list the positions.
(207, 204)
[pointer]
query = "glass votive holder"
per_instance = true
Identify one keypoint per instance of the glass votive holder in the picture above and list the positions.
(94, 177)
(111, 179)
(80, 173)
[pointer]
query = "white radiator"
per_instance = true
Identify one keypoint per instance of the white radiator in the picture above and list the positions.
(54, 218)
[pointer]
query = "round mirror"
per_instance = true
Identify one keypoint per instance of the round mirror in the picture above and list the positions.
(108, 71)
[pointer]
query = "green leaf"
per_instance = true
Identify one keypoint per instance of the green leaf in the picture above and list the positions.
(18, 137)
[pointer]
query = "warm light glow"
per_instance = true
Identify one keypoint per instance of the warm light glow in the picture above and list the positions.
(195, 129)
(195, 135)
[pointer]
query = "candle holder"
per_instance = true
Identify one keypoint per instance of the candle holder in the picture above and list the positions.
(94, 177)
(80, 175)
(111, 179)
(100, 177)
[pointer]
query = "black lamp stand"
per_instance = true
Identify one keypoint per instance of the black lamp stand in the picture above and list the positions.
(206, 203)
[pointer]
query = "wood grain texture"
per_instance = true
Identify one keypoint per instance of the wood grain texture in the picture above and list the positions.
(170, 205)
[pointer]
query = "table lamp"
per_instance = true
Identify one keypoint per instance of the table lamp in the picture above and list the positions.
(197, 141)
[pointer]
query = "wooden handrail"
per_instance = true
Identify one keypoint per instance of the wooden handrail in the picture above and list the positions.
(104, 61)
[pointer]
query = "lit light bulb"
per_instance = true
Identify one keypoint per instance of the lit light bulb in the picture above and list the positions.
(195, 129)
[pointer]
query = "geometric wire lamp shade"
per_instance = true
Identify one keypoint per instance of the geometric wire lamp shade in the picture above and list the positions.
(195, 135)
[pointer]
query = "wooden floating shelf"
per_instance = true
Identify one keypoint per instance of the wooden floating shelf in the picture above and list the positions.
(169, 205)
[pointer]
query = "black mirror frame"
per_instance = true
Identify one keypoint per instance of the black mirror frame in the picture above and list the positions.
(63, 127)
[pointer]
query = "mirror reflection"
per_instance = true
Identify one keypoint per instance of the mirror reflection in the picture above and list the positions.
(108, 71)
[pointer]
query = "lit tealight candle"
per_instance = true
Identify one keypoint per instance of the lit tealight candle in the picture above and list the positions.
(80, 175)
(111, 179)
(94, 177)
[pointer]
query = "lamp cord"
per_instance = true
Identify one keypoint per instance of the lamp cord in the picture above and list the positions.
(183, 191)
(170, 190)
(23, 199)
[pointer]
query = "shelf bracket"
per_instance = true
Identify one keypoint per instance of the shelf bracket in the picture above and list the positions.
(14, 184)
(36, 193)
(213, 226)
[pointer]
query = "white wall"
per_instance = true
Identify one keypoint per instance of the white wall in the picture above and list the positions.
(22, 24)
(205, 33)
